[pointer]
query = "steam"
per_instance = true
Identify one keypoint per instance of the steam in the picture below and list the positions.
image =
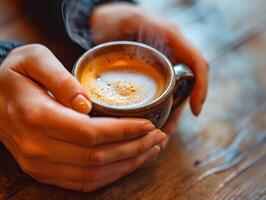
(76, 13)
(154, 38)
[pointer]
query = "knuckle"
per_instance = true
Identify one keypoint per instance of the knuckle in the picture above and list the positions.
(33, 117)
(27, 54)
(34, 51)
(96, 157)
(30, 118)
(29, 149)
(22, 111)
(99, 157)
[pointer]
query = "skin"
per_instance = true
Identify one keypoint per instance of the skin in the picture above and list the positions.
(84, 153)
(129, 22)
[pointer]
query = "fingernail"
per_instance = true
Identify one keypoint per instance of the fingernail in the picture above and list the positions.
(155, 150)
(159, 137)
(81, 104)
(153, 154)
(147, 128)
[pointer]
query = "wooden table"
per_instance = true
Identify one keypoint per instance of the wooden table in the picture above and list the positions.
(219, 155)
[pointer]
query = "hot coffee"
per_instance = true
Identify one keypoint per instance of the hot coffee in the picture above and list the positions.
(118, 79)
(130, 79)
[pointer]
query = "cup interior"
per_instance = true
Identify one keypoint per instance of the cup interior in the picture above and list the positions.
(139, 50)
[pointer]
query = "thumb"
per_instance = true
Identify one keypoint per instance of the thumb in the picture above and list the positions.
(42, 66)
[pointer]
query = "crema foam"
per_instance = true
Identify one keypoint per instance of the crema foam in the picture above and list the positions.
(118, 79)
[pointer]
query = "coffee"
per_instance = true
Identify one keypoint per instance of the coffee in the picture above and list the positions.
(119, 79)
(130, 79)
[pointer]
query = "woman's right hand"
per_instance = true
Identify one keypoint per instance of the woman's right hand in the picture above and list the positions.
(50, 136)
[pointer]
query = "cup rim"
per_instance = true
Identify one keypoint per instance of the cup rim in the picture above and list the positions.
(169, 88)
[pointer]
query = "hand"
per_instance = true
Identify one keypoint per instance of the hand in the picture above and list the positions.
(50, 136)
(123, 21)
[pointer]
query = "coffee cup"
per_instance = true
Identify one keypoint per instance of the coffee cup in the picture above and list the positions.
(131, 79)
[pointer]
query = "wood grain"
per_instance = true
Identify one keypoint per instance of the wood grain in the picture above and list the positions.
(221, 154)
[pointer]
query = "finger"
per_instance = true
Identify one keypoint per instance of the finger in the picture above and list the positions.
(164, 143)
(91, 174)
(81, 129)
(200, 90)
(189, 55)
(119, 129)
(86, 131)
(133, 148)
(72, 127)
(151, 159)
(42, 66)
(101, 155)
(58, 122)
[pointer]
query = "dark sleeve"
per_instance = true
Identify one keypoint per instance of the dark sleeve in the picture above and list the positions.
(65, 16)
(75, 15)
(6, 47)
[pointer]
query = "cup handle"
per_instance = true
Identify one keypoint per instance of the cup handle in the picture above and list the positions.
(184, 79)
